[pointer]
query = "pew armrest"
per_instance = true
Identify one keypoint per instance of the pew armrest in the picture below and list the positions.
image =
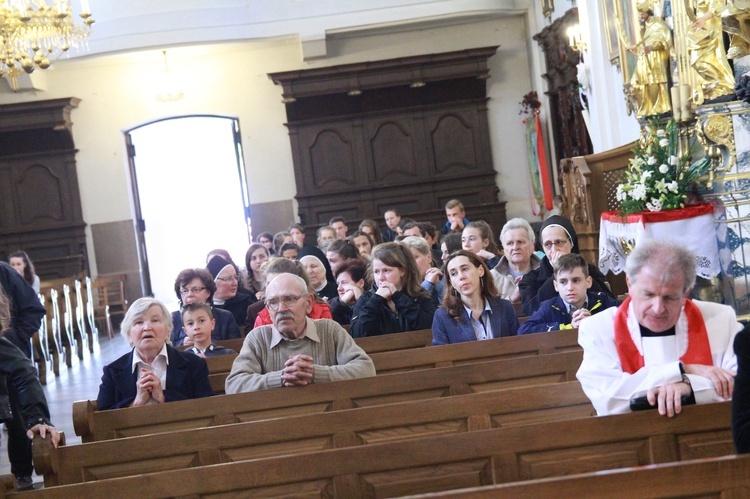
(83, 418)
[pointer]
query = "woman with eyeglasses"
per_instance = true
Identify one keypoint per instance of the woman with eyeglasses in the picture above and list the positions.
(558, 237)
(472, 309)
(227, 295)
(397, 302)
(197, 286)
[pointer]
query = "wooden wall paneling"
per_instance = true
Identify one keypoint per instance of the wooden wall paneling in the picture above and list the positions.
(408, 133)
(41, 202)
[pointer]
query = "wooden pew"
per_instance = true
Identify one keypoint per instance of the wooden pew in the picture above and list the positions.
(93, 425)
(370, 344)
(445, 462)
(338, 429)
(726, 477)
(439, 356)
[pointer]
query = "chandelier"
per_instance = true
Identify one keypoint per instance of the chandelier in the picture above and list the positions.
(32, 33)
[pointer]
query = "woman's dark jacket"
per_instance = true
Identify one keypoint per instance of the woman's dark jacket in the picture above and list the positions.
(372, 316)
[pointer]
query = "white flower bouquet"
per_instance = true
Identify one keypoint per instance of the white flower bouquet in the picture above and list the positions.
(657, 178)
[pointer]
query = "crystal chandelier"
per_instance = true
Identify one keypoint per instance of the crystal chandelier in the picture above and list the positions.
(32, 33)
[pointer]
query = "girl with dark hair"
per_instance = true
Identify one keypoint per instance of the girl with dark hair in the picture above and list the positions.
(266, 239)
(256, 255)
(448, 244)
(471, 307)
(397, 302)
(338, 251)
(363, 242)
(197, 285)
(351, 279)
(371, 228)
(298, 234)
(20, 261)
(477, 237)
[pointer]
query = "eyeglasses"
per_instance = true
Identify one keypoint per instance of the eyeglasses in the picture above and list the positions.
(557, 244)
(287, 300)
(227, 279)
(195, 290)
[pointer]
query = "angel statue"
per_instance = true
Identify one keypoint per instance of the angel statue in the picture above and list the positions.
(650, 79)
(705, 46)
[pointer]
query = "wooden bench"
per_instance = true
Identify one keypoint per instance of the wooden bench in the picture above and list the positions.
(92, 425)
(445, 462)
(439, 356)
(726, 477)
(370, 344)
(338, 429)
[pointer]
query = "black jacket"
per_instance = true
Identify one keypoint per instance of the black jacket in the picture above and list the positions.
(18, 374)
(238, 306)
(187, 378)
(741, 394)
(26, 311)
(372, 316)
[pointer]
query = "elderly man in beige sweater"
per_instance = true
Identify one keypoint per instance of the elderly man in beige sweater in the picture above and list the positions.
(295, 350)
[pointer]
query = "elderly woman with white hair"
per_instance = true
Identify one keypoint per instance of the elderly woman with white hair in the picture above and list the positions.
(517, 238)
(431, 276)
(152, 372)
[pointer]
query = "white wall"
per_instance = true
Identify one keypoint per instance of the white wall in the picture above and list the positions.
(119, 92)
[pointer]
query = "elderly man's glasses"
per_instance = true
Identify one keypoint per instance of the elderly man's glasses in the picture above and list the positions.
(195, 290)
(559, 243)
(288, 300)
(227, 279)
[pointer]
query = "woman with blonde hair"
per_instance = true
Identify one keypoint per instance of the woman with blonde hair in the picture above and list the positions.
(397, 302)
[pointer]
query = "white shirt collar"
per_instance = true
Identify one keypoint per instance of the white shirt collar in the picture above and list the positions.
(487, 308)
(309, 332)
(137, 358)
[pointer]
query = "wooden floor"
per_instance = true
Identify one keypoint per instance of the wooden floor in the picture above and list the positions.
(80, 382)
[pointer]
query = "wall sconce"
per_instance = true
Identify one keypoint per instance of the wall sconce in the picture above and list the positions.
(575, 38)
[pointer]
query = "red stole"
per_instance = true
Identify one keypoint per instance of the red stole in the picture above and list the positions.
(698, 347)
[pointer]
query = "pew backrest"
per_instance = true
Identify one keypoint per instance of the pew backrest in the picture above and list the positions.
(445, 462)
(91, 424)
(295, 434)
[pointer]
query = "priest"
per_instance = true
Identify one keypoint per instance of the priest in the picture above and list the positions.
(658, 344)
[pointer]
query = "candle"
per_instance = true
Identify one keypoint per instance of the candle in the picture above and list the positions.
(85, 7)
(675, 93)
(685, 96)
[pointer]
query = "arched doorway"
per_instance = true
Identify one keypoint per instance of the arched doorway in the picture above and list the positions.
(190, 196)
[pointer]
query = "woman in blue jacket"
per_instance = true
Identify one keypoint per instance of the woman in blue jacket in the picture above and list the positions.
(471, 309)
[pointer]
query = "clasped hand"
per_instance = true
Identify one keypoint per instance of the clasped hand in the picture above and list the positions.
(578, 316)
(148, 386)
(298, 371)
(386, 290)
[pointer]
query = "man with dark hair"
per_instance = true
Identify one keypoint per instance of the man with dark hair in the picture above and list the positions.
(658, 343)
(339, 225)
(392, 218)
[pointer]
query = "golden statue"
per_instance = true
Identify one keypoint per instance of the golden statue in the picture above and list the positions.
(706, 49)
(736, 21)
(651, 75)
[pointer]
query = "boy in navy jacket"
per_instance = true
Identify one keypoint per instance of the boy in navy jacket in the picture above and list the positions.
(575, 303)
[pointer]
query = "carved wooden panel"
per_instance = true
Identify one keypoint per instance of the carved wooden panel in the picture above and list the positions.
(40, 201)
(407, 133)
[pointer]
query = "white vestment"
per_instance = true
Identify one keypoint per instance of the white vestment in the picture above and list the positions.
(610, 389)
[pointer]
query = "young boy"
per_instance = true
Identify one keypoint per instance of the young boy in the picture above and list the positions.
(575, 303)
(198, 323)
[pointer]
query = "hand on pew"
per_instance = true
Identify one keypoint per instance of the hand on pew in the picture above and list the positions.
(42, 430)
(723, 379)
(669, 397)
(298, 371)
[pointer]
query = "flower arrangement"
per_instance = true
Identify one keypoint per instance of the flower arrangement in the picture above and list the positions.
(657, 178)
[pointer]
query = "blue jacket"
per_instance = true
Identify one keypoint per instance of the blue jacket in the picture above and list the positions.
(447, 329)
(553, 314)
(187, 378)
(226, 327)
